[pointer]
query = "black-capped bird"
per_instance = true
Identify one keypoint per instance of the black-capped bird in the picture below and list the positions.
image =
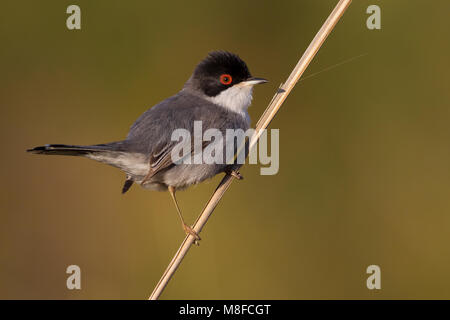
(218, 94)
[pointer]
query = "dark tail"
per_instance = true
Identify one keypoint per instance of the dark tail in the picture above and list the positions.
(70, 150)
(114, 154)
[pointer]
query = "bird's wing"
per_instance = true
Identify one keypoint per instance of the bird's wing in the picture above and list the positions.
(151, 134)
(161, 158)
(180, 111)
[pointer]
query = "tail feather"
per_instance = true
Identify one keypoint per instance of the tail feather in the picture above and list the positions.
(115, 154)
(73, 150)
(62, 149)
(127, 185)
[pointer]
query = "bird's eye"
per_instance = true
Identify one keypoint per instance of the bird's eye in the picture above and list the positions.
(226, 79)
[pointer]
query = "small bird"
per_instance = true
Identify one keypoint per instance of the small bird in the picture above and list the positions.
(218, 94)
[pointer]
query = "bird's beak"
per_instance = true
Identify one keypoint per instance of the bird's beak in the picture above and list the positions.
(252, 81)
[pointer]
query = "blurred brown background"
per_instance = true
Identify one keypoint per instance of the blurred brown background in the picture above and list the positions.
(364, 166)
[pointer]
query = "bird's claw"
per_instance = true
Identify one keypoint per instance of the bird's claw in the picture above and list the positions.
(236, 174)
(190, 231)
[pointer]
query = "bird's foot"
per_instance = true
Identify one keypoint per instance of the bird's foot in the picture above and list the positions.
(234, 173)
(190, 231)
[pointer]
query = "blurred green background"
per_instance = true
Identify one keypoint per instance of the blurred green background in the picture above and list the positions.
(364, 153)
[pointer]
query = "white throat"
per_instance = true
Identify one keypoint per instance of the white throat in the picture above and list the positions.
(236, 98)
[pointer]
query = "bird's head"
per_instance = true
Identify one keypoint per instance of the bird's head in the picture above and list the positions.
(224, 79)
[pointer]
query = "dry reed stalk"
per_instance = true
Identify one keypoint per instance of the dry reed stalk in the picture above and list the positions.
(262, 124)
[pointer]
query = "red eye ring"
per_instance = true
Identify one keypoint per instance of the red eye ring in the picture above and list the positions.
(226, 79)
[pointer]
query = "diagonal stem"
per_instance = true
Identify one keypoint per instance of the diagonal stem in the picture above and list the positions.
(263, 123)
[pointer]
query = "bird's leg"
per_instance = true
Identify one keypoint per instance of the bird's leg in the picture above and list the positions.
(234, 173)
(186, 228)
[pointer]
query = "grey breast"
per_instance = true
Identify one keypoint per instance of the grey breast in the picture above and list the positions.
(152, 132)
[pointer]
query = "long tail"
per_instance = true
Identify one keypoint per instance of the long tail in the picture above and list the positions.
(115, 154)
(71, 150)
